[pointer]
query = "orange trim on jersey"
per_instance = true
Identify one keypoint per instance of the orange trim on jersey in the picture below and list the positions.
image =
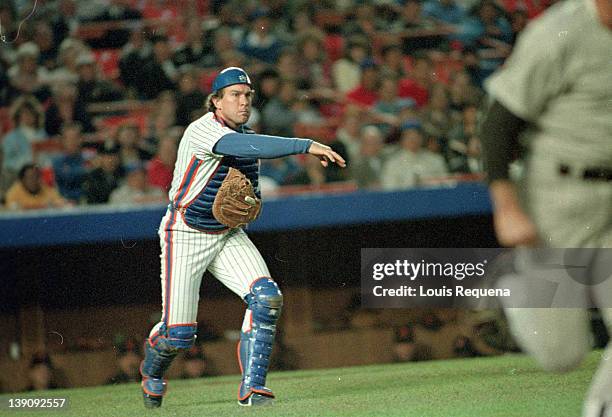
(205, 185)
(168, 262)
(192, 178)
(185, 175)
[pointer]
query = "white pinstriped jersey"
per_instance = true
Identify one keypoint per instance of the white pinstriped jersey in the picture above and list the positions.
(196, 161)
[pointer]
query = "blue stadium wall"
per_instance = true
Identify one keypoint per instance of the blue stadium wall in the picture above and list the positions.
(106, 256)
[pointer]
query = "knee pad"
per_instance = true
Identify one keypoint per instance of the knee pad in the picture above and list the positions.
(162, 347)
(175, 337)
(265, 301)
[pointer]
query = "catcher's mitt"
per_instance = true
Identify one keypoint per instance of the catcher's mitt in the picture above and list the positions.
(235, 203)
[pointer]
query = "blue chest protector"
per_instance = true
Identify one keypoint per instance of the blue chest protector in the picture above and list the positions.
(198, 214)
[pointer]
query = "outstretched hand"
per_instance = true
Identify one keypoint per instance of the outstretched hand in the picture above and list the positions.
(326, 154)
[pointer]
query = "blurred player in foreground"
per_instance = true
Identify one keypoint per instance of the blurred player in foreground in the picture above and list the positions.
(555, 93)
(214, 193)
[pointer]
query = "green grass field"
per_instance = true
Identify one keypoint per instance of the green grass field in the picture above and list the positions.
(508, 386)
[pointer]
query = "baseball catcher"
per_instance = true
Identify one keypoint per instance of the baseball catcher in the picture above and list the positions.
(215, 191)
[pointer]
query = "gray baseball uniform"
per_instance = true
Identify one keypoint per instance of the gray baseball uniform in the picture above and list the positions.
(559, 79)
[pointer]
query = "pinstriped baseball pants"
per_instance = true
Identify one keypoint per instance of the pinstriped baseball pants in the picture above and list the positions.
(187, 253)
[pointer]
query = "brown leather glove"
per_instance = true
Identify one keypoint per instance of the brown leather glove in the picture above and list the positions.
(235, 203)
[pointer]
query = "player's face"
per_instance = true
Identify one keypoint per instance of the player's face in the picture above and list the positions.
(235, 105)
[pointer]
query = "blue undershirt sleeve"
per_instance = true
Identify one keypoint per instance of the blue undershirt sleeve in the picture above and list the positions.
(260, 146)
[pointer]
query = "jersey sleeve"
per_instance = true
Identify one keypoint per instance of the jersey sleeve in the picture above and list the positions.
(204, 135)
(534, 72)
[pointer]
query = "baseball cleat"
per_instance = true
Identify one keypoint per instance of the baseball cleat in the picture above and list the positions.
(152, 401)
(153, 390)
(256, 400)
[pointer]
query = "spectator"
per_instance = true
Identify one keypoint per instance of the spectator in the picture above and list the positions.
(486, 22)
(346, 72)
(267, 86)
(195, 364)
(418, 84)
(259, 43)
(472, 67)
(41, 374)
(312, 60)
(462, 93)
(366, 93)
(349, 134)
(161, 118)
(223, 41)
(312, 174)
(67, 71)
(66, 107)
(64, 21)
(189, 99)
(411, 164)
(29, 192)
(436, 116)
(444, 11)
(117, 10)
(417, 31)
(363, 23)
(161, 167)
(69, 168)
(280, 171)
(128, 362)
(459, 148)
(159, 73)
(101, 181)
(278, 117)
(387, 109)
(28, 119)
(135, 190)
(367, 170)
(134, 55)
(48, 50)
(393, 62)
(26, 76)
(288, 69)
(131, 151)
(90, 88)
(489, 32)
(193, 51)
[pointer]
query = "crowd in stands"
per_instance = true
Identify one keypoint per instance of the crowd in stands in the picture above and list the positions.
(94, 96)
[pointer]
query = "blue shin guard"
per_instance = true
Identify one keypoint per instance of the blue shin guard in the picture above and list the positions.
(255, 347)
(160, 350)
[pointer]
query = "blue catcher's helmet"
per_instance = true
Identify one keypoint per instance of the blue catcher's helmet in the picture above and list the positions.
(230, 76)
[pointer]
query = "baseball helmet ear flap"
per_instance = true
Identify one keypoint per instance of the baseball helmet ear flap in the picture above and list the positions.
(230, 76)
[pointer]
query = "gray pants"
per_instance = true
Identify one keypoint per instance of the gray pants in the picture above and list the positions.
(569, 212)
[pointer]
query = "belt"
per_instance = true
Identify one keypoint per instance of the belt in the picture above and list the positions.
(591, 174)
